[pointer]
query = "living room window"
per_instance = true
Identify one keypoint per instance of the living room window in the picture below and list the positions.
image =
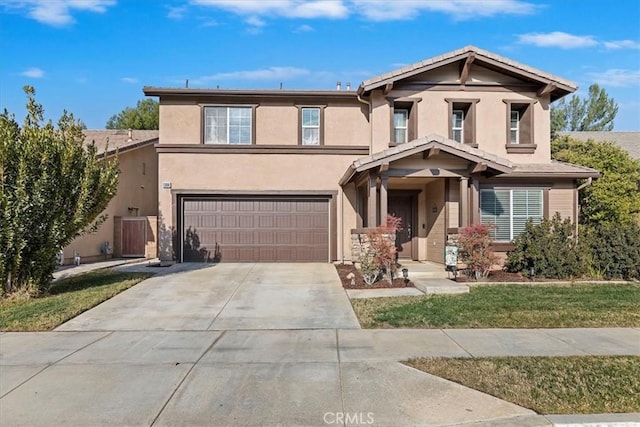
(400, 126)
(462, 120)
(520, 127)
(509, 210)
(310, 125)
(228, 125)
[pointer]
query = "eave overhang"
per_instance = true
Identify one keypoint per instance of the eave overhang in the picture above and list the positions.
(432, 143)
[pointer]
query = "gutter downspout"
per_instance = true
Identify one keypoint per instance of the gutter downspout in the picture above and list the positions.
(368, 104)
(585, 185)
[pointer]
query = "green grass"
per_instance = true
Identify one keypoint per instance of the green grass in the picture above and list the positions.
(66, 299)
(549, 385)
(509, 306)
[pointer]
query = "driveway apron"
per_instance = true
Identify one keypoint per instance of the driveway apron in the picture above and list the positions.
(227, 297)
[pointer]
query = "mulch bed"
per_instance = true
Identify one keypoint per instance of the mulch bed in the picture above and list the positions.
(345, 269)
(501, 276)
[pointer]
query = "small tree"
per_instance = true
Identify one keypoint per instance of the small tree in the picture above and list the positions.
(382, 246)
(52, 189)
(614, 197)
(595, 113)
(475, 249)
(145, 115)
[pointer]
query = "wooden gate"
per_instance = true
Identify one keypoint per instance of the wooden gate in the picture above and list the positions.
(134, 236)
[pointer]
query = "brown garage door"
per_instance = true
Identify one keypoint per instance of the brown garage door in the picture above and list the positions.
(256, 230)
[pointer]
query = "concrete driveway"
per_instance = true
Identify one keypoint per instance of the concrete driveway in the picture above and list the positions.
(227, 297)
(234, 345)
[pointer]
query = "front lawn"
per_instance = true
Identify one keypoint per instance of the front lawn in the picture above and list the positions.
(549, 385)
(509, 306)
(67, 298)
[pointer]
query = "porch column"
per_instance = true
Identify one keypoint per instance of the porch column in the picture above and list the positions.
(475, 201)
(372, 202)
(383, 199)
(464, 202)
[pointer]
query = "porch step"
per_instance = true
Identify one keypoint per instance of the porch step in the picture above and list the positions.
(439, 286)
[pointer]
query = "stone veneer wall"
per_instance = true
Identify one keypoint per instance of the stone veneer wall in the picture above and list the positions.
(360, 242)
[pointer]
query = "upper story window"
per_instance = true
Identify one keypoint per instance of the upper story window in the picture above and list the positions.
(457, 125)
(310, 126)
(400, 126)
(520, 127)
(228, 125)
(462, 120)
(509, 210)
(404, 119)
(514, 127)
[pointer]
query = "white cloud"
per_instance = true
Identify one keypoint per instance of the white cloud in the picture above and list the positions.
(254, 21)
(617, 77)
(304, 29)
(284, 8)
(269, 73)
(621, 44)
(374, 10)
(33, 73)
(377, 10)
(176, 12)
(57, 13)
(557, 39)
(130, 80)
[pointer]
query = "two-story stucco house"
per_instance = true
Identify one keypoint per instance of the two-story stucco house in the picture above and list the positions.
(291, 175)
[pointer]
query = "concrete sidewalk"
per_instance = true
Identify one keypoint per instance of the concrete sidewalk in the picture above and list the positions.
(269, 377)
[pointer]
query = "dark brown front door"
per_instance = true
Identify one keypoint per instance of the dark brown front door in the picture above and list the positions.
(255, 229)
(402, 207)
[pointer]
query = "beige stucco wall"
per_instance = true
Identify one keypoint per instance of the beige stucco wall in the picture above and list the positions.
(345, 122)
(491, 111)
(137, 187)
(491, 120)
(562, 199)
(251, 174)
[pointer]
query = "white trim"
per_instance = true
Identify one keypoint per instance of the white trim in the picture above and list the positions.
(405, 127)
(517, 128)
(455, 128)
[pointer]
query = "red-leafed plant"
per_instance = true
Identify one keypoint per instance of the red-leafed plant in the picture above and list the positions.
(475, 250)
(382, 246)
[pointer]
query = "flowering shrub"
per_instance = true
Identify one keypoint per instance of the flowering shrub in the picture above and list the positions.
(382, 246)
(475, 250)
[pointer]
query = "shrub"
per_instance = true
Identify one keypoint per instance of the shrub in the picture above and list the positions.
(614, 250)
(548, 249)
(474, 243)
(382, 246)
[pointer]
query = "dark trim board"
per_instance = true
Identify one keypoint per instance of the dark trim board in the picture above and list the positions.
(360, 150)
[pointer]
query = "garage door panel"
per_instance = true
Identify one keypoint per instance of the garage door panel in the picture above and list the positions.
(266, 230)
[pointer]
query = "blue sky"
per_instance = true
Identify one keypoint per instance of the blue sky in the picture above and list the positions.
(93, 57)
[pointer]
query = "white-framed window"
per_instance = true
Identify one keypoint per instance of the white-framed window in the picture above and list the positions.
(509, 211)
(400, 126)
(227, 125)
(310, 126)
(514, 127)
(457, 125)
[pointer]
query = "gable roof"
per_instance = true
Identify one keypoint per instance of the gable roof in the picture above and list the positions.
(122, 140)
(559, 87)
(629, 141)
(422, 144)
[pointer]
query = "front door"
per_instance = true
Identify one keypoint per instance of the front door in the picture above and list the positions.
(402, 207)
